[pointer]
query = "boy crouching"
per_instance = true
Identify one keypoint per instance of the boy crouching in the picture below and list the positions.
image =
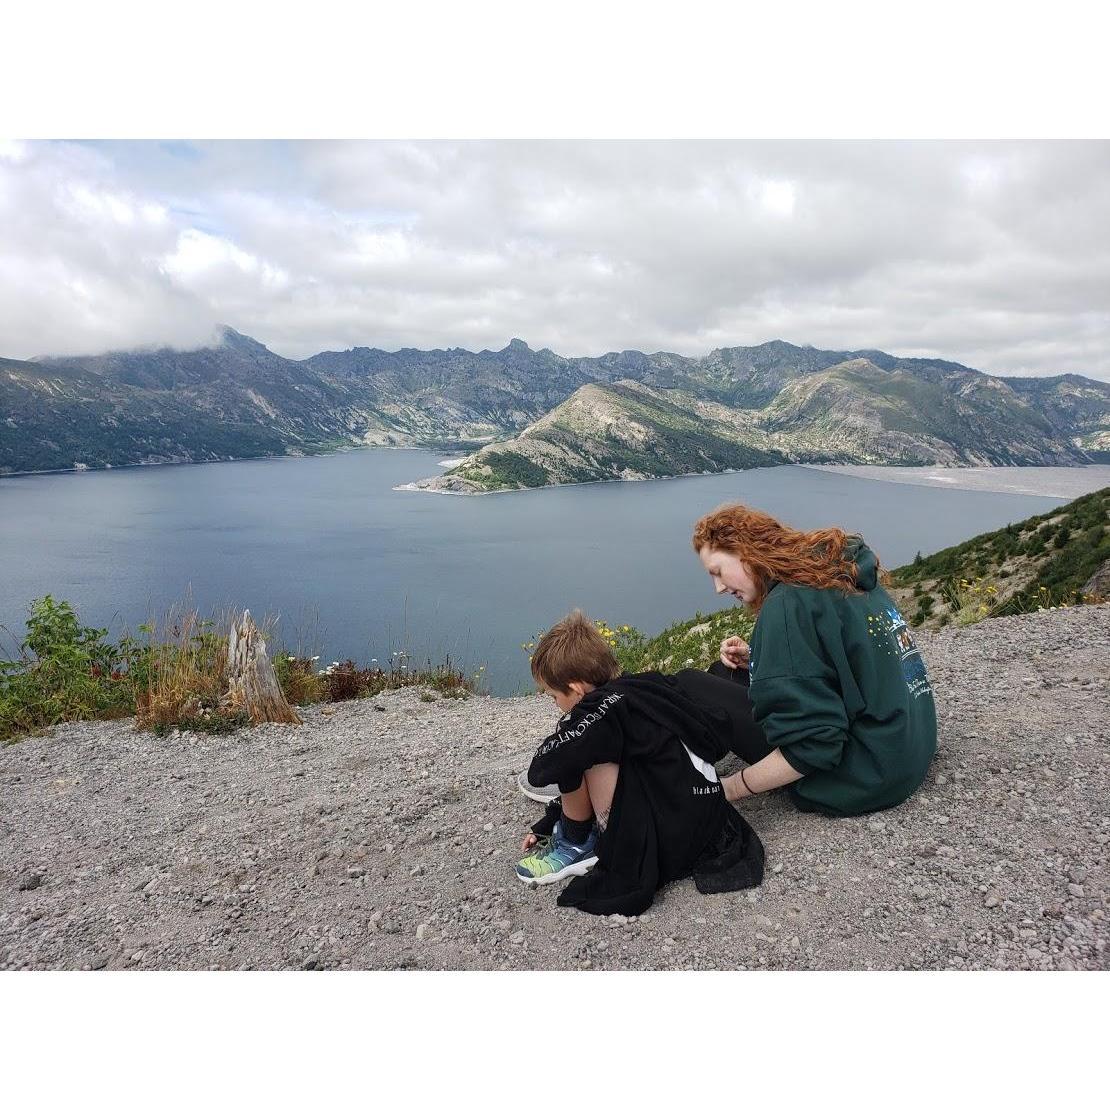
(640, 804)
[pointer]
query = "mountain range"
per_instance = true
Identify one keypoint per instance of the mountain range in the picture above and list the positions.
(529, 418)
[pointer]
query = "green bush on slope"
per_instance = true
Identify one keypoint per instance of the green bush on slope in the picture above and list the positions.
(695, 642)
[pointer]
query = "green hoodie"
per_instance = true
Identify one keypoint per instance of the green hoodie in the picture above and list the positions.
(839, 687)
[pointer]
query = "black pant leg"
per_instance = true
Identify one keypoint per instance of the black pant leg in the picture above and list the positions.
(733, 674)
(727, 690)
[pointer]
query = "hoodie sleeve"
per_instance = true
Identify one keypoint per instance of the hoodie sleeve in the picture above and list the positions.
(589, 735)
(804, 718)
(795, 692)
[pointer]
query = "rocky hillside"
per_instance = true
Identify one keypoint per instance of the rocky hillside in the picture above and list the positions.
(237, 400)
(553, 419)
(625, 430)
(852, 412)
(309, 848)
(1057, 558)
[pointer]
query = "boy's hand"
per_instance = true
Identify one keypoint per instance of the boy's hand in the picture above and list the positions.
(735, 652)
(529, 842)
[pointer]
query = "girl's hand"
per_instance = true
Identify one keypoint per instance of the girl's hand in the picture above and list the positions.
(735, 652)
(529, 842)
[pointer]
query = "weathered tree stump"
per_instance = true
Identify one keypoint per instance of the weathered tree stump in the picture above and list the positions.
(252, 684)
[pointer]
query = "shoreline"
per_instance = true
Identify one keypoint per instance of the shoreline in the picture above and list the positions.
(946, 478)
(978, 479)
(341, 450)
(412, 487)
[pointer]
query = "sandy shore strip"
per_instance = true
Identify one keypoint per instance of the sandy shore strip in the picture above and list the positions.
(1065, 482)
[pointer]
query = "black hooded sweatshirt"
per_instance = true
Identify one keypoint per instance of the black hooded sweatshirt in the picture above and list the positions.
(669, 817)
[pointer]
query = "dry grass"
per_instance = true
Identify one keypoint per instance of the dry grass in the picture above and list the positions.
(173, 673)
(186, 675)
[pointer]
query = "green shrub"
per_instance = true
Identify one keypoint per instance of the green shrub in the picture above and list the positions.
(695, 642)
(64, 671)
(298, 679)
(175, 678)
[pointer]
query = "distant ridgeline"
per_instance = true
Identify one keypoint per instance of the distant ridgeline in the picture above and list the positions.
(533, 418)
(1061, 557)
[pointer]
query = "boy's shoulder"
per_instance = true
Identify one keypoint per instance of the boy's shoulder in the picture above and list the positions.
(635, 687)
(627, 686)
(608, 693)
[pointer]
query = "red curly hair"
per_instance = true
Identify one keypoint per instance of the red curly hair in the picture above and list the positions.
(775, 552)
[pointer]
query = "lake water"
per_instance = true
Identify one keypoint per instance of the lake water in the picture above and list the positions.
(356, 569)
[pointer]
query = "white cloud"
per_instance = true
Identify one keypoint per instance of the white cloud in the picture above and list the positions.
(13, 151)
(778, 197)
(992, 254)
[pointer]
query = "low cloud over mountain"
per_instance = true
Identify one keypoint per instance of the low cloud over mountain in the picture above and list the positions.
(996, 254)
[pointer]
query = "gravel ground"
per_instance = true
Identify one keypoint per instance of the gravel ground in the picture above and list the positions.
(382, 834)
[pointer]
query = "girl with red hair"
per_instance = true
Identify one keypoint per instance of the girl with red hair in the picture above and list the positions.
(831, 698)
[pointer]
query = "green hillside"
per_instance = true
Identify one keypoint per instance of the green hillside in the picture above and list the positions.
(1043, 561)
(855, 411)
(695, 642)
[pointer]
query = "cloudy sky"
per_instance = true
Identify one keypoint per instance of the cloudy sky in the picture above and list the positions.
(996, 255)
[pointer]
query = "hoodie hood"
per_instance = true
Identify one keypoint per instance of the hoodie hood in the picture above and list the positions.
(867, 564)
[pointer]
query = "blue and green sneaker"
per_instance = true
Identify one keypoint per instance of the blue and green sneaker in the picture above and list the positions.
(555, 858)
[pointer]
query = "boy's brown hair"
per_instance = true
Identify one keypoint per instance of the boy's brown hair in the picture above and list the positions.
(573, 651)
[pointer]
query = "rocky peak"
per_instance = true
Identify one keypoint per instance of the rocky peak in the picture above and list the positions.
(236, 341)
